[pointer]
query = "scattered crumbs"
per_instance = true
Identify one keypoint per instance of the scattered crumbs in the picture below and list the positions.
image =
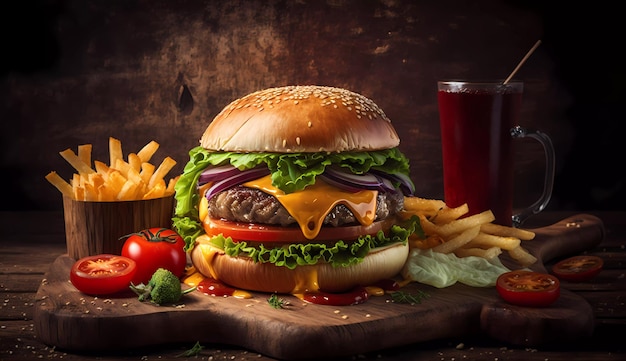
(336, 311)
(124, 304)
(368, 315)
(249, 305)
(86, 311)
(67, 303)
(99, 308)
(460, 346)
(180, 306)
(345, 317)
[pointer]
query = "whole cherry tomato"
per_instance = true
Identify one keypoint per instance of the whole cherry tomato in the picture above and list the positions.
(102, 274)
(578, 268)
(155, 248)
(527, 288)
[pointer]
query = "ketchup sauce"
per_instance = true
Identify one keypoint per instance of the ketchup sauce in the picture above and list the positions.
(213, 287)
(358, 295)
(354, 297)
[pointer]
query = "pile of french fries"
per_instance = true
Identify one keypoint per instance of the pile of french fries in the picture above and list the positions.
(122, 180)
(446, 230)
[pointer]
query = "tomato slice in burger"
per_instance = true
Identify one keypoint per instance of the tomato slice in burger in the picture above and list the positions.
(527, 288)
(102, 274)
(264, 233)
(578, 268)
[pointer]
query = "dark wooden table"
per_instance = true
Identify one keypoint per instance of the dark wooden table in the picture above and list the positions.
(31, 241)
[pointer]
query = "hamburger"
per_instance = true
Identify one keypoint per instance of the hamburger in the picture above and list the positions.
(296, 189)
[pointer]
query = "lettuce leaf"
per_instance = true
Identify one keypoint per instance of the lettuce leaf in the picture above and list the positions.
(442, 270)
(290, 173)
(340, 254)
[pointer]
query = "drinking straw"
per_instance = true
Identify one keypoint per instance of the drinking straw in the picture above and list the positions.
(523, 61)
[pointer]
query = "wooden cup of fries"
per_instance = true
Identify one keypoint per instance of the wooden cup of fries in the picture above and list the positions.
(96, 227)
(103, 203)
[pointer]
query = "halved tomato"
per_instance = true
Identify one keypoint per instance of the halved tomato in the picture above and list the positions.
(102, 274)
(527, 288)
(263, 233)
(578, 268)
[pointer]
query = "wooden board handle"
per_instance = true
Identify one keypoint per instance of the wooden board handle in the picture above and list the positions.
(567, 237)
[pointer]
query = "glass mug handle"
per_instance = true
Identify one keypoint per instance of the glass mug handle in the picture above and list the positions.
(542, 202)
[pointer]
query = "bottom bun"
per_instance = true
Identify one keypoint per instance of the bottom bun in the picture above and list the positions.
(242, 273)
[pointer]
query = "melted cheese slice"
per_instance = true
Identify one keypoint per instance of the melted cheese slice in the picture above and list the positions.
(310, 207)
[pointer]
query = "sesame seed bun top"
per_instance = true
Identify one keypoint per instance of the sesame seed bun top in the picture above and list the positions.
(294, 119)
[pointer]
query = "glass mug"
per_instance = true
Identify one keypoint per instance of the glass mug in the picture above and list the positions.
(479, 121)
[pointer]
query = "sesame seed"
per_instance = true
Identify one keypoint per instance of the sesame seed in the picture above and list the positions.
(298, 140)
(311, 94)
(284, 142)
(309, 124)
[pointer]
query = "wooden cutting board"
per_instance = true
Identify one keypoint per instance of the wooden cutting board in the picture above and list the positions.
(70, 320)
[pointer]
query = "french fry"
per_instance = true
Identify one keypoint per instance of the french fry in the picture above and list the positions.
(84, 153)
(148, 151)
(458, 241)
(447, 214)
(64, 187)
(102, 168)
(166, 165)
(79, 192)
(116, 181)
(134, 179)
(485, 240)
(427, 226)
(128, 191)
(76, 162)
(115, 151)
(504, 231)
(522, 256)
(462, 224)
(134, 161)
(157, 191)
(423, 204)
(429, 242)
(147, 170)
(171, 184)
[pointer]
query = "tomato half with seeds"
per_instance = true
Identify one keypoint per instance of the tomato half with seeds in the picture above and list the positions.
(527, 288)
(578, 268)
(155, 248)
(102, 274)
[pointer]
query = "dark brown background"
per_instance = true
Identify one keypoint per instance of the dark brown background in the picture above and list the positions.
(78, 71)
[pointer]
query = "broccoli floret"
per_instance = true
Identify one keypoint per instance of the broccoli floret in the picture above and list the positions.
(164, 287)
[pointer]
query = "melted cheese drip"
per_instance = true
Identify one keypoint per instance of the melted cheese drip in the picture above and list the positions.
(208, 254)
(309, 207)
(306, 281)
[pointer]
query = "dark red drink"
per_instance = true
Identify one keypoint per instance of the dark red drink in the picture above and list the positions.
(476, 119)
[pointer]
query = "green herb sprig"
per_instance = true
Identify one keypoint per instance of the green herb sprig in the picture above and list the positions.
(403, 297)
(277, 302)
(194, 351)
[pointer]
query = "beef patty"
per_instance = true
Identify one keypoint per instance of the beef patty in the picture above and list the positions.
(243, 204)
